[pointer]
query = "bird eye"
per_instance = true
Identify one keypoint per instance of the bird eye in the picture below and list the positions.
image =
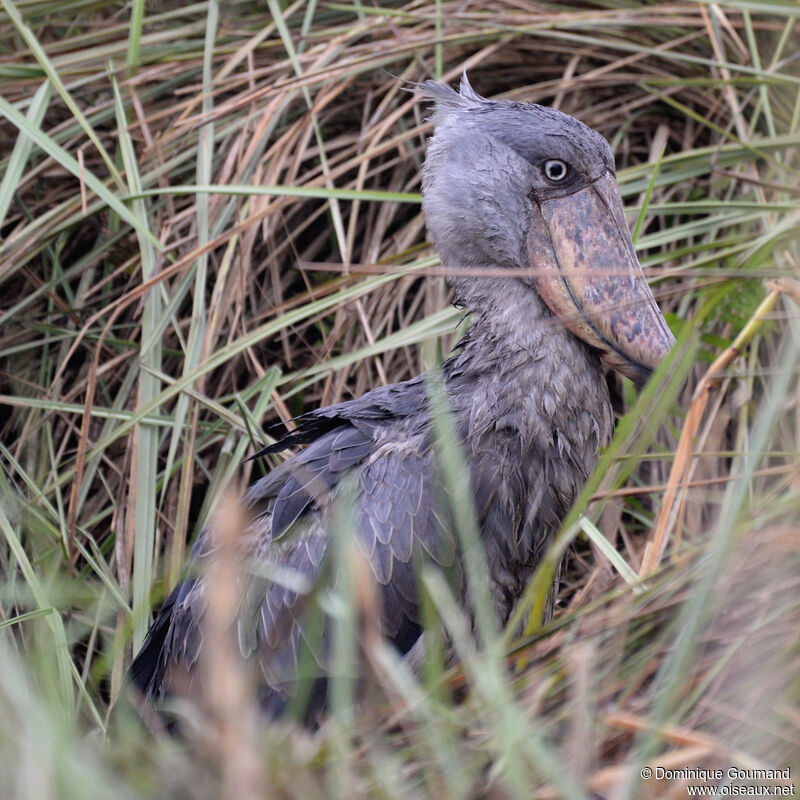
(555, 170)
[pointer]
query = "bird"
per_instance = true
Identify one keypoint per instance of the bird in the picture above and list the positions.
(522, 204)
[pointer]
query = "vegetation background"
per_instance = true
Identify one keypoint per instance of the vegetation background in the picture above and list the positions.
(210, 222)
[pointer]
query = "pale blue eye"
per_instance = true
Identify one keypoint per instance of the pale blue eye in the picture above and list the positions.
(555, 170)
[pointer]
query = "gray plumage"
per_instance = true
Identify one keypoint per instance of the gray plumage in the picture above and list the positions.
(528, 397)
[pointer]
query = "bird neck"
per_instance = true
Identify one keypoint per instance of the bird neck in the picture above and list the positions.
(506, 315)
(517, 367)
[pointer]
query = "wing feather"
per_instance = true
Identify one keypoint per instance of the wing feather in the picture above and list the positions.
(397, 524)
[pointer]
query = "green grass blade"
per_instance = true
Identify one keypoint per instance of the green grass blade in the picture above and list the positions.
(70, 164)
(54, 78)
(147, 436)
(22, 149)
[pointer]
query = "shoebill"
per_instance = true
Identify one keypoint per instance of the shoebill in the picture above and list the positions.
(522, 204)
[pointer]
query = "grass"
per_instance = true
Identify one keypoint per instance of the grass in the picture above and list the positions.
(209, 222)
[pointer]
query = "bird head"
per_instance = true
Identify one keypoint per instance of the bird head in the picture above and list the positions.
(533, 190)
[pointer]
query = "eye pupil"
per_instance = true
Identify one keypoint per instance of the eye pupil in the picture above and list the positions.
(555, 169)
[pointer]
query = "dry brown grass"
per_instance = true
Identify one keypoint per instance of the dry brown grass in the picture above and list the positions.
(135, 366)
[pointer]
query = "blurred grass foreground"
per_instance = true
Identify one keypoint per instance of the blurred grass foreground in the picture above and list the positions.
(210, 221)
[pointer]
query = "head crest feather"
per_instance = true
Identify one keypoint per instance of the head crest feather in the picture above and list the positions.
(447, 97)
